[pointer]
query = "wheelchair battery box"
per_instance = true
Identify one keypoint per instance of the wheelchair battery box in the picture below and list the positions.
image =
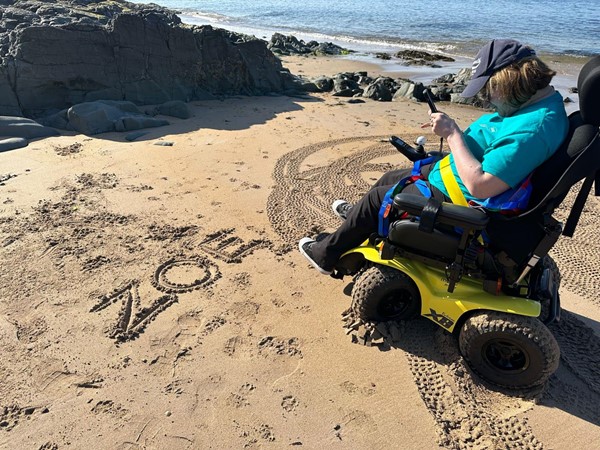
(449, 214)
(406, 234)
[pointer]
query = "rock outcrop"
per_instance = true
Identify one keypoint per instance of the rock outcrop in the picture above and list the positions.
(416, 58)
(290, 45)
(107, 115)
(360, 84)
(56, 54)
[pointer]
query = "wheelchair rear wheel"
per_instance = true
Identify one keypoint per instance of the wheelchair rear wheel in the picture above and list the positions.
(509, 350)
(381, 293)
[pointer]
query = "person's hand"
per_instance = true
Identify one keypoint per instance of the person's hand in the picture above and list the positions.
(441, 124)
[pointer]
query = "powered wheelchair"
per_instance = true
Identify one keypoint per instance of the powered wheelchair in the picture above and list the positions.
(497, 296)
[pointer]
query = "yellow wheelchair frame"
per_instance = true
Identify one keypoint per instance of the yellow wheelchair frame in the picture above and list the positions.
(440, 306)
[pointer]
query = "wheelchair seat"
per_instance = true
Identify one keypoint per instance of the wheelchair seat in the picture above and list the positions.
(520, 241)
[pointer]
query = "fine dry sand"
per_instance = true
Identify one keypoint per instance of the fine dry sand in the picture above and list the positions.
(152, 297)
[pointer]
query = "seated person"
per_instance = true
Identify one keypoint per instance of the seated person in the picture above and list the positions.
(495, 154)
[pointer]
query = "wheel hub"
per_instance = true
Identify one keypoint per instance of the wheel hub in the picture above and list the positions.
(505, 355)
(394, 304)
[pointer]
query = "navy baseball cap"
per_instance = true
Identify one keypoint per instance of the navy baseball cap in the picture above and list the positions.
(495, 55)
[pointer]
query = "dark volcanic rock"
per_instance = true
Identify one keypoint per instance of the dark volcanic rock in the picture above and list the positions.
(346, 85)
(12, 143)
(291, 45)
(20, 127)
(324, 84)
(418, 54)
(421, 58)
(445, 88)
(383, 55)
(175, 108)
(55, 54)
(105, 115)
(382, 89)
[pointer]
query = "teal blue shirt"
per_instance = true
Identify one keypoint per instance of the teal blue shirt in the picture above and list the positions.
(510, 148)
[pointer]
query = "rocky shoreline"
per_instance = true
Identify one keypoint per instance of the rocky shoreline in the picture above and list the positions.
(361, 85)
(59, 54)
(290, 45)
(89, 66)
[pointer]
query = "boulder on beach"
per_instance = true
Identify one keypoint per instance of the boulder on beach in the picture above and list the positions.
(324, 84)
(381, 89)
(20, 127)
(445, 88)
(12, 144)
(348, 84)
(103, 116)
(175, 108)
(422, 58)
(16, 132)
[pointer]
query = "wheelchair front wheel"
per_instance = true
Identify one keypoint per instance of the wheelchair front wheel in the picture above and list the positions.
(382, 294)
(509, 350)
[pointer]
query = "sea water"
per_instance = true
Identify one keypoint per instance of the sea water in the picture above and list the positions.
(565, 27)
(565, 33)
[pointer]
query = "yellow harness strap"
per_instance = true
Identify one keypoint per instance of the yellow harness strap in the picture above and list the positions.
(450, 183)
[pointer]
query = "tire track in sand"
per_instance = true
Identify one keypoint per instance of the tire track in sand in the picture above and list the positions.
(300, 201)
(468, 414)
(578, 257)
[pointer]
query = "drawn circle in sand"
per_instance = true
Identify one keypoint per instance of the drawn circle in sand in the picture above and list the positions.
(178, 276)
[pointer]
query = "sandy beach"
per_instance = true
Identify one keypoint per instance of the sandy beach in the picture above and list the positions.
(152, 296)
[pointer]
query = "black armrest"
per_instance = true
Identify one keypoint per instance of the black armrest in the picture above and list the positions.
(449, 214)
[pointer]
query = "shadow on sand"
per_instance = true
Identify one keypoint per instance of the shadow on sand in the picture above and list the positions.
(229, 114)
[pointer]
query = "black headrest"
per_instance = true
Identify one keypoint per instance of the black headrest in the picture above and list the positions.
(588, 85)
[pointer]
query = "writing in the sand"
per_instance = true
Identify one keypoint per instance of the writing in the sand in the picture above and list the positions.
(133, 317)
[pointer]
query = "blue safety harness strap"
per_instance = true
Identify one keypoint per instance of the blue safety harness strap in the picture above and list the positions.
(511, 202)
(415, 178)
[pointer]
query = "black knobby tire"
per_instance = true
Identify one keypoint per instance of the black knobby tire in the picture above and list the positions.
(381, 293)
(545, 303)
(509, 350)
(547, 261)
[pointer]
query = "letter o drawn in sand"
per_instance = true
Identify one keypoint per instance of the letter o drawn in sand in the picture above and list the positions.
(178, 276)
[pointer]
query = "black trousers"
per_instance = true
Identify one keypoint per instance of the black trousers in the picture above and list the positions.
(363, 219)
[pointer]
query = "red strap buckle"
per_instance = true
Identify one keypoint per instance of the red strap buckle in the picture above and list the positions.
(388, 208)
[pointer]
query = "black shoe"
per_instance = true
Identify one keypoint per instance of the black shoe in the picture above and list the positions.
(341, 208)
(304, 246)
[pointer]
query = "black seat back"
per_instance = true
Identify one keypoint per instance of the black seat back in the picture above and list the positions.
(577, 158)
(579, 155)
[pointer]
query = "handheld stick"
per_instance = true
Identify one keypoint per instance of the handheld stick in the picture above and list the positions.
(430, 102)
(433, 109)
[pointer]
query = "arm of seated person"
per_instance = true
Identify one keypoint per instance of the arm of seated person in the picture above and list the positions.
(479, 183)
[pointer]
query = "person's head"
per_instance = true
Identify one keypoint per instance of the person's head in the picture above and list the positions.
(507, 74)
